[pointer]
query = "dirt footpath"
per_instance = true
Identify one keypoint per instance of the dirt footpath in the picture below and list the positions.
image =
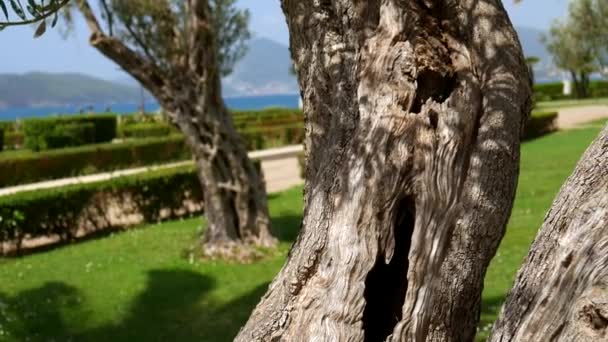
(571, 117)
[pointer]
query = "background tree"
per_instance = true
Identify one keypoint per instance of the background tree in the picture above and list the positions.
(178, 51)
(531, 62)
(413, 115)
(573, 47)
(592, 17)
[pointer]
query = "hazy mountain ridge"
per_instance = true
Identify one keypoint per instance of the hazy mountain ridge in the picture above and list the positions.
(35, 89)
(265, 70)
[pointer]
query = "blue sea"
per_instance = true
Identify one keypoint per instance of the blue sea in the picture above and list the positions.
(236, 103)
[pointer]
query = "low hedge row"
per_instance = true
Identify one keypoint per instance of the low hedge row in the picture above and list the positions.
(85, 208)
(554, 91)
(13, 140)
(260, 138)
(146, 130)
(58, 132)
(539, 124)
(89, 159)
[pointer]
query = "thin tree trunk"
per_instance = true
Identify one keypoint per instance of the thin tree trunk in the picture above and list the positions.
(413, 114)
(561, 291)
(190, 92)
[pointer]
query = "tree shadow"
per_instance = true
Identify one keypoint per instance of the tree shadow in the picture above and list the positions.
(175, 305)
(286, 227)
(490, 308)
(36, 314)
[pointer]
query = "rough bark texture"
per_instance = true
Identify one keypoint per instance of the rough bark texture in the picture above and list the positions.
(561, 292)
(413, 115)
(189, 90)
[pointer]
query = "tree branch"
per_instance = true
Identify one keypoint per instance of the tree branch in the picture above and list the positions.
(51, 10)
(145, 71)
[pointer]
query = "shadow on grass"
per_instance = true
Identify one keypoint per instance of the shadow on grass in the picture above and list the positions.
(286, 227)
(175, 306)
(490, 308)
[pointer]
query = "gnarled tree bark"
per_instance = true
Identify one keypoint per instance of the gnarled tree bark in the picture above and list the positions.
(188, 87)
(561, 292)
(413, 114)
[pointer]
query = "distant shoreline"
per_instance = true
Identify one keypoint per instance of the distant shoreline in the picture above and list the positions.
(235, 103)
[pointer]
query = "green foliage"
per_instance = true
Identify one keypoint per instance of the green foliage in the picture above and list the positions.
(579, 44)
(146, 130)
(69, 162)
(260, 138)
(539, 124)
(13, 139)
(1, 139)
(554, 91)
(150, 28)
(63, 211)
(49, 133)
(36, 12)
(231, 27)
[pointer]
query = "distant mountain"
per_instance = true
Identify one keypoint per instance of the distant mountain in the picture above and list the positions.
(263, 71)
(36, 89)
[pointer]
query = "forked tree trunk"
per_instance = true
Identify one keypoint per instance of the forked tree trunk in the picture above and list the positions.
(413, 113)
(190, 91)
(561, 292)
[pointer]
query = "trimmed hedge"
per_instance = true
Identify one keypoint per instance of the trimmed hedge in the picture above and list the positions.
(539, 124)
(146, 130)
(554, 91)
(13, 140)
(86, 208)
(48, 133)
(89, 159)
(82, 209)
(260, 138)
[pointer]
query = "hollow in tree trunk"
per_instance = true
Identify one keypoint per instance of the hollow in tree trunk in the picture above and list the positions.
(561, 292)
(414, 111)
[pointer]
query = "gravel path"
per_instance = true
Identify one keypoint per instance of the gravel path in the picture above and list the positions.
(571, 117)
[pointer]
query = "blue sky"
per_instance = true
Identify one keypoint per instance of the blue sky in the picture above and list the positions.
(21, 53)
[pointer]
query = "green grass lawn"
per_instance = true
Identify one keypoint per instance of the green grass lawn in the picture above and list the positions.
(137, 286)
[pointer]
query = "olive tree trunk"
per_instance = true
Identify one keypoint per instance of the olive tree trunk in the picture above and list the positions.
(413, 115)
(561, 292)
(190, 91)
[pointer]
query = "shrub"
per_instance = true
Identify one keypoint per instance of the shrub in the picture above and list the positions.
(69, 162)
(554, 91)
(41, 134)
(1, 139)
(125, 201)
(549, 91)
(146, 130)
(258, 138)
(71, 134)
(539, 124)
(13, 139)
